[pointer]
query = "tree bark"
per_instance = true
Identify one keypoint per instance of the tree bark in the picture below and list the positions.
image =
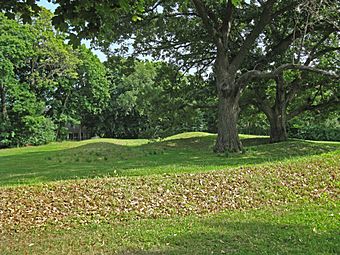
(227, 134)
(228, 108)
(4, 115)
(63, 108)
(278, 116)
(278, 130)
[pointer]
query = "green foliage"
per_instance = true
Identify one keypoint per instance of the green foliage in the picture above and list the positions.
(252, 121)
(316, 126)
(6, 134)
(92, 84)
(317, 132)
(35, 130)
(236, 2)
(89, 95)
(151, 100)
(23, 9)
(85, 25)
(26, 128)
(45, 84)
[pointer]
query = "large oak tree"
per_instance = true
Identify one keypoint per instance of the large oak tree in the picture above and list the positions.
(194, 34)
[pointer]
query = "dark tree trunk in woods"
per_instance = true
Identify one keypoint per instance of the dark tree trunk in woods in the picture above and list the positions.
(228, 108)
(63, 109)
(277, 120)
(4, 115)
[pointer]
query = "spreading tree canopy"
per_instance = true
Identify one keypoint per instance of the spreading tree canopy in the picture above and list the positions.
(200, 34)
(218, 37)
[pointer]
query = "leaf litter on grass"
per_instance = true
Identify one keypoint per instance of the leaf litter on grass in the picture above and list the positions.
(116, 199)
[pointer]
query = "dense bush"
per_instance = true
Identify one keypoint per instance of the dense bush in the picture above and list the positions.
(6, 134)
(316, 132)
(35, 131)
(316, 126)
(31, 131)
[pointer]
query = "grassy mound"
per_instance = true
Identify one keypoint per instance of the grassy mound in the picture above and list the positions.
(274, 199)
(64, 203)
(184, 153)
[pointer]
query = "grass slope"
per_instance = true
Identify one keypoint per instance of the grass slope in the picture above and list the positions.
(184, 153)
(274, 199)
(301, 230)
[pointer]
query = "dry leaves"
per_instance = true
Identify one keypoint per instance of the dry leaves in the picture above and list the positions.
(104, 200)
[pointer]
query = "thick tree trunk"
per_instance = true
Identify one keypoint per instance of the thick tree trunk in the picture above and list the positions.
(278, 131)
(227, 134)
(228, 108)
(4, 115)
(277, 118)
(276, 114)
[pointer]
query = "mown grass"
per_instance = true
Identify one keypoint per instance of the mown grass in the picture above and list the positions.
(273, 199)
(184, 153)
(308, 229)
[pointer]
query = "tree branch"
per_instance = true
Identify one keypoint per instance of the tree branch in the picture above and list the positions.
(313, 53)
(320, 53)
(226, 24)
(305, 68)
(310, 107)
(207, 18)
(265, 18)
(256, 74)
(294, 88)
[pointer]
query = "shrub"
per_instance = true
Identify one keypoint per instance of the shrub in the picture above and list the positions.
(34, 130)
(323, 126)
(316, 132)
(6, 134)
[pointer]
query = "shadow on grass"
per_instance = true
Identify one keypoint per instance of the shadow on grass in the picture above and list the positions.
(248, 238)
(168, 156)
(168, 237)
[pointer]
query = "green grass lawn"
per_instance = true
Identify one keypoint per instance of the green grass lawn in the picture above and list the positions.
(170, 197)
(184, 153)
(285, 230)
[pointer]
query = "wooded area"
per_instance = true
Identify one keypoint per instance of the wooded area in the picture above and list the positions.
(209, 127)
(212, 62)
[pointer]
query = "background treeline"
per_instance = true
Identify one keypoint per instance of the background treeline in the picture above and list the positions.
(47, 85)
